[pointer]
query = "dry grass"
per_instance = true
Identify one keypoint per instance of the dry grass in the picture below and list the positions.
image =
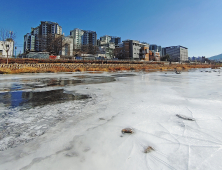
(104, 68)
(25, 70)
(5, 71)
(34, 70)
(179, 69)
(79, 70)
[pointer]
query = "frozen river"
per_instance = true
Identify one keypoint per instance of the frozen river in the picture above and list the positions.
(74, 121)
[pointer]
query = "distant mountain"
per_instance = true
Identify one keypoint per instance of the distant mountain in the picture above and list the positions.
(216, 57)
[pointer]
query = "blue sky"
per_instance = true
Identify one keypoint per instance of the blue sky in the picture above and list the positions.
(196, 24)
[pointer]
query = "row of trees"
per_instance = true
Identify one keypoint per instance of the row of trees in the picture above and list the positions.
(55, 44)
(165, 58)
(86, 49)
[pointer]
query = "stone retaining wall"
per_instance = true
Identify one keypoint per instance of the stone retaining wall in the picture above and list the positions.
(71, 65)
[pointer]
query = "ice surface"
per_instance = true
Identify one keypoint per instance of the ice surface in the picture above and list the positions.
(90, 137)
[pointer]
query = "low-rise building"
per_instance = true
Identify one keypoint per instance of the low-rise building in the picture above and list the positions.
(107, 51)
(67, 47)
(132, 50)
(5, 46)
(37, 55)
(144, 51)
(197, 59)
(154, 56)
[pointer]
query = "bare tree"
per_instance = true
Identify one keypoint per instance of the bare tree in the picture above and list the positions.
(89, 49)
(52, 43)
(7, 37)
(76, 51)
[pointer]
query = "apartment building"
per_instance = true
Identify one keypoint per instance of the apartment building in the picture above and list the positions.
(77, 37)
(89, 38)
(115, 40)
(107, 43)
(155, 48)
(83, 37)
(132, 50)
(40, 38)
(144, 52)
(6, 45)
(106, 39)
(29, 42)
(154, 56)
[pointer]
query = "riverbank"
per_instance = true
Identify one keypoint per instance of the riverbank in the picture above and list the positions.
(80, 67)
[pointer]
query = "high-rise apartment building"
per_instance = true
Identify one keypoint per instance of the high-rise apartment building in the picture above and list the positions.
(83, 37)
(41, 37)
(89, 38)
(77, 37)
(29, 42)
(106, 39)
(48, 27)
(115, 40)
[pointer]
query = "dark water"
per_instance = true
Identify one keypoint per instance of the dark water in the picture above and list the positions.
(77, 80)
(124, 75)
(33, 99)
(20, 92)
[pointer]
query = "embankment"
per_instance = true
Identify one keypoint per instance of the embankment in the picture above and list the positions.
(73, 67)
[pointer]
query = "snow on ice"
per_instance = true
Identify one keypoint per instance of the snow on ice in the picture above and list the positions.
(176, 121)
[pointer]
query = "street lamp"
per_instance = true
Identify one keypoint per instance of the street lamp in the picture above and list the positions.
(15, 51)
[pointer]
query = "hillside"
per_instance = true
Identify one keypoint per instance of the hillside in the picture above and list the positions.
(216, 57)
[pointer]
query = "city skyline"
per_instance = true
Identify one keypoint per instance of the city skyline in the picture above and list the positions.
(166, 23)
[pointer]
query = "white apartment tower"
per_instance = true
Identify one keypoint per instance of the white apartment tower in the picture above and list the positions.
(77, 37)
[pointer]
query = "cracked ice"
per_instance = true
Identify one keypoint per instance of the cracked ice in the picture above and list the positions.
(86, 134)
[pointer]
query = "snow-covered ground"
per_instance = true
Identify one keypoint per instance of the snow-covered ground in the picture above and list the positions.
(177, 115)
